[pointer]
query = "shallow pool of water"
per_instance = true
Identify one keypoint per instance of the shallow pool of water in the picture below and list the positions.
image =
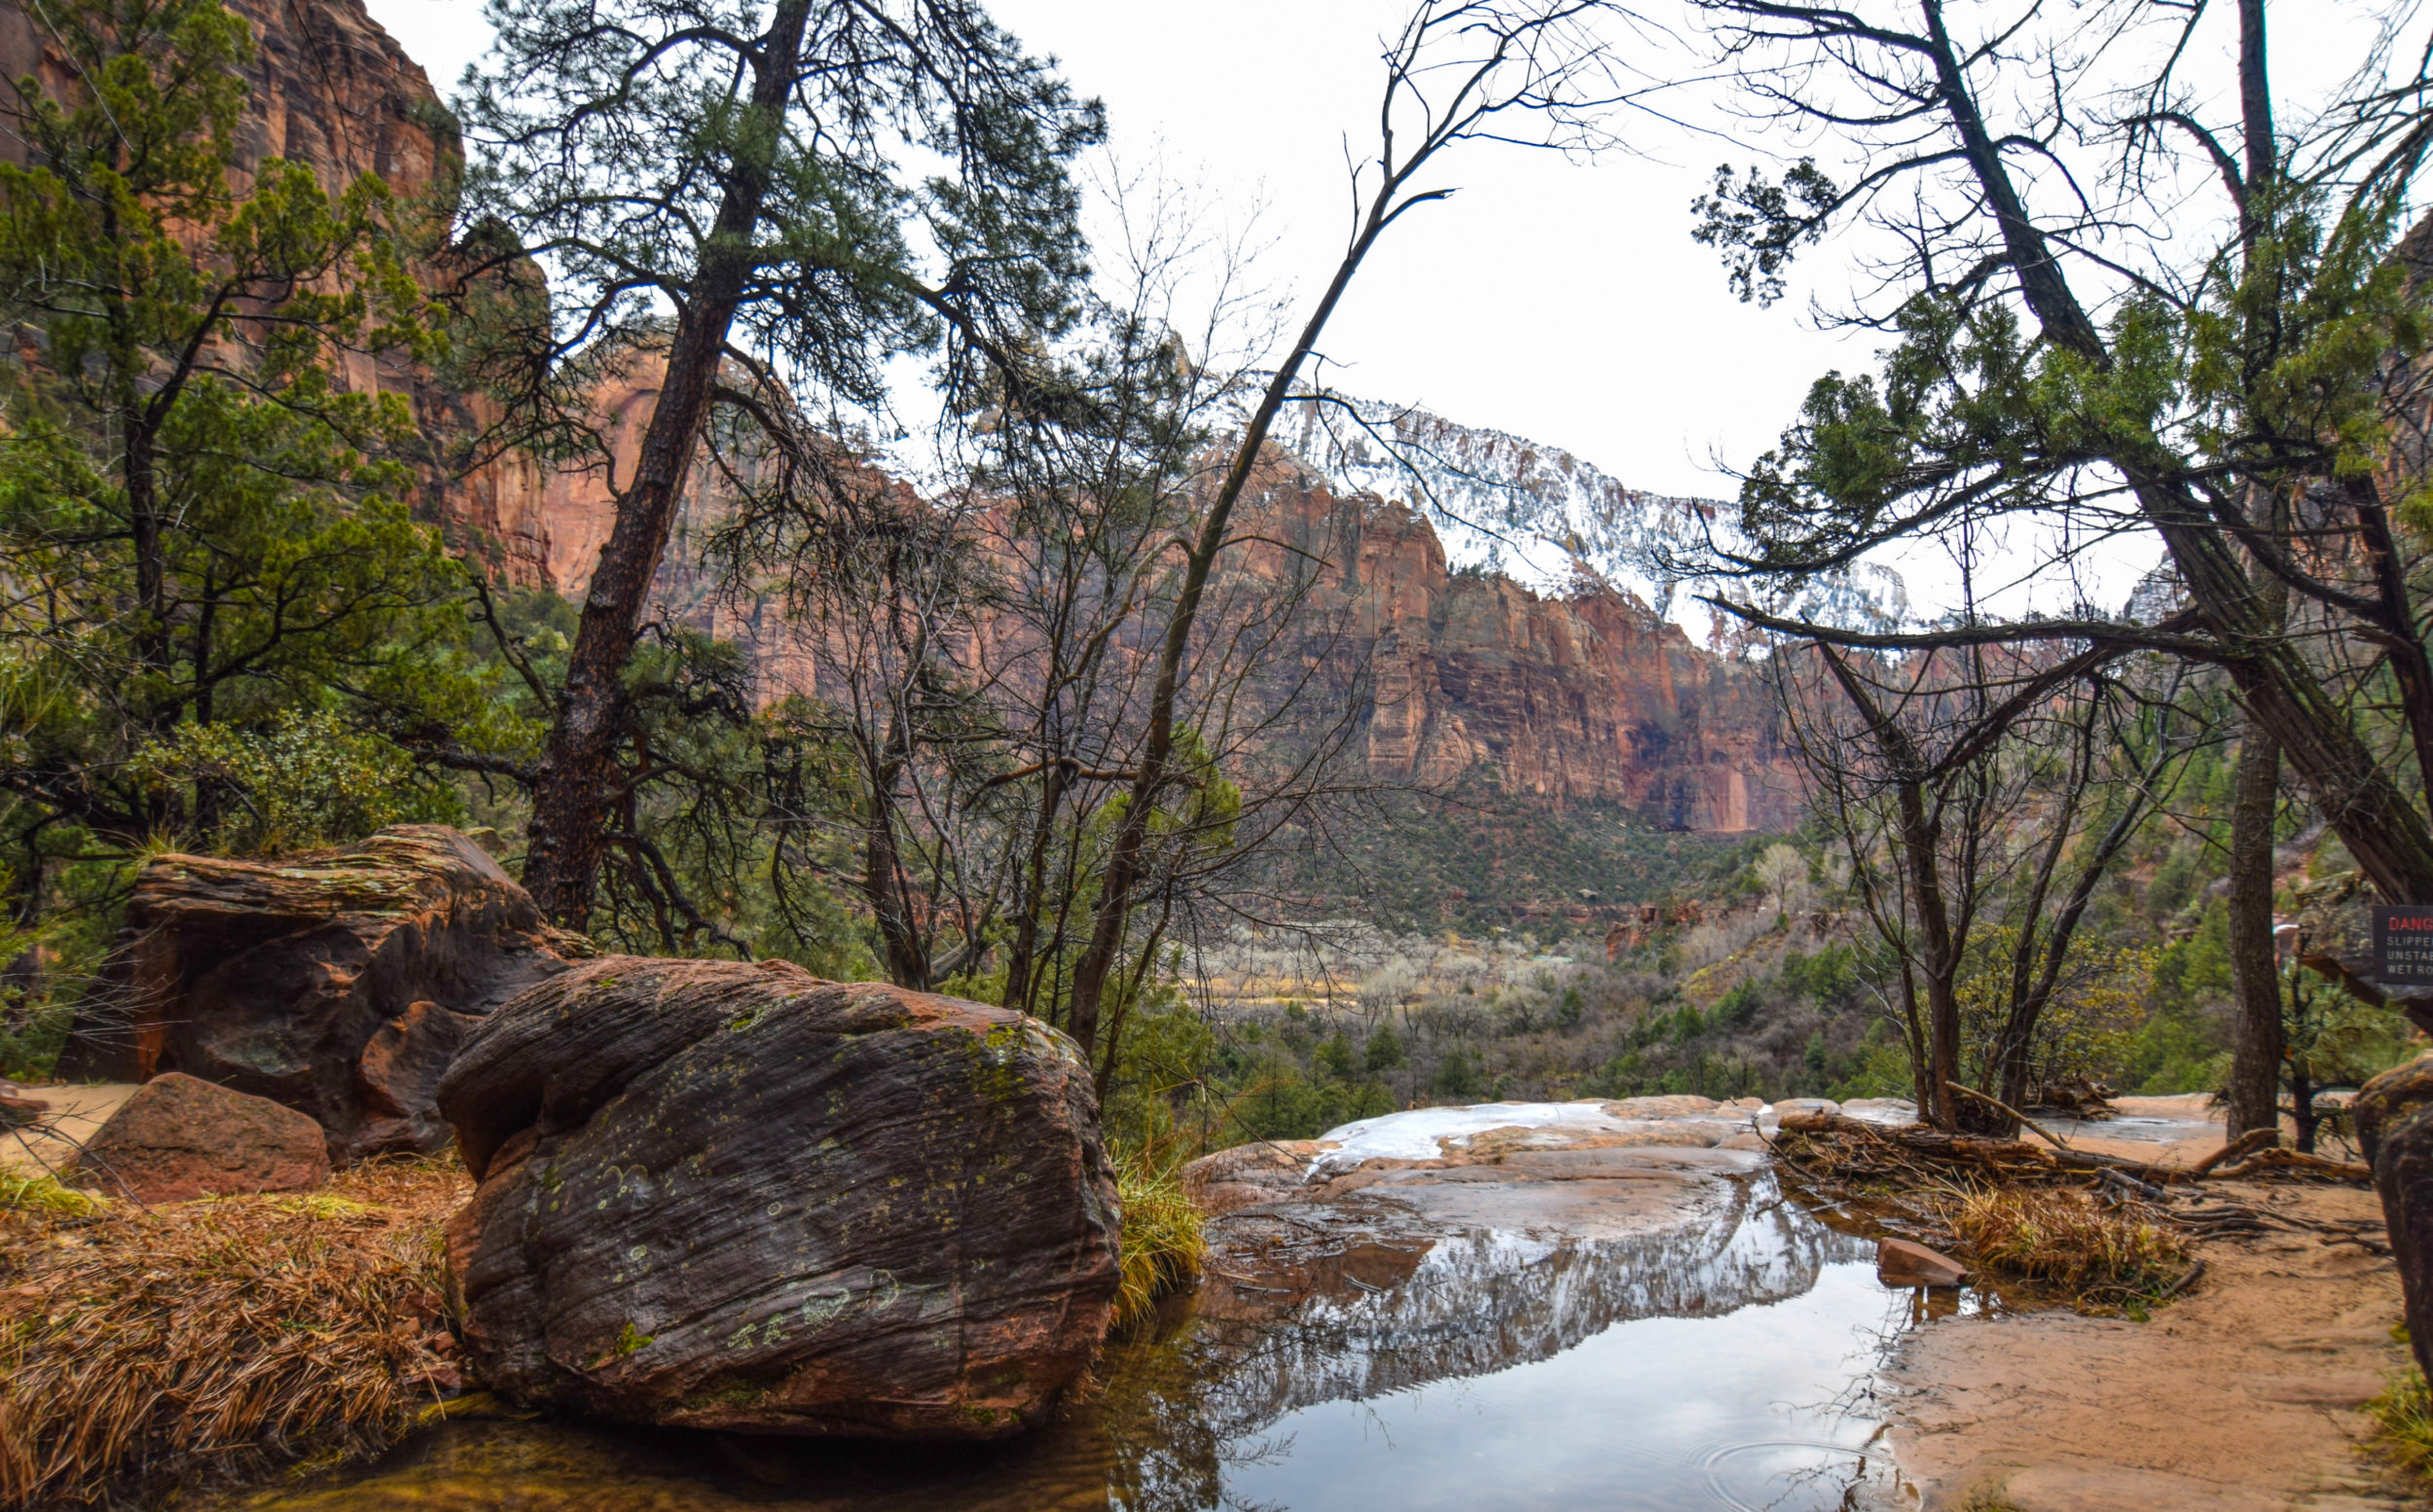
(1718, 1364)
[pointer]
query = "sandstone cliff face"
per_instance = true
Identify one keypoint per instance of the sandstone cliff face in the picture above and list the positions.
(1588, 697)
(332, 89)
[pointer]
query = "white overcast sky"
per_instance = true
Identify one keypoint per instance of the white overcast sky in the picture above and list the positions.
(1560, 301)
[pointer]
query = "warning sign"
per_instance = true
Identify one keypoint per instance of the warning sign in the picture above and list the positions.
(2403, 945)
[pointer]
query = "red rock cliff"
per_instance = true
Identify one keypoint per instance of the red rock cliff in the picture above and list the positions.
(1581, 697)
(1574, 699)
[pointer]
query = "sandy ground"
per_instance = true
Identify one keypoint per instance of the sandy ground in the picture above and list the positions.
(2241, 1398)
(76, 1112)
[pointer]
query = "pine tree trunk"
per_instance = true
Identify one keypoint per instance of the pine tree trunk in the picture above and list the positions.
(578, 782)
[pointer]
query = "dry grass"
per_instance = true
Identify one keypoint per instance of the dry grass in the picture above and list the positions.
(216, 1340)
(2403, 1420)
(2057, 1235)
(1163, 1246)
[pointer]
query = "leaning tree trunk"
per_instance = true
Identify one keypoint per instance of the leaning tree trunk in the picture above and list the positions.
(578, 777)
(2256, 1048)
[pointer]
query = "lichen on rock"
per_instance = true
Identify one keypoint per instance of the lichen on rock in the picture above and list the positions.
(738, 1197)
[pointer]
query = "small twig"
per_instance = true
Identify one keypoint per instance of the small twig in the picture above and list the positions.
(2186, 1278)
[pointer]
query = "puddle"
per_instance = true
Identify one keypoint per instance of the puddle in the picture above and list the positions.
(2133, 1129)
(1721, 1361)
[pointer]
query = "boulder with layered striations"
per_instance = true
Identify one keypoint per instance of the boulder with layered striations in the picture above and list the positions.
(738, 1197)
(338, 985)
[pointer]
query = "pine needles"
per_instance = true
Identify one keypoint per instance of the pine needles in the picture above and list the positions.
(217, 1340)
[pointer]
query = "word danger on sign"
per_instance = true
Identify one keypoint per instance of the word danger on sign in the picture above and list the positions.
(2403, 945)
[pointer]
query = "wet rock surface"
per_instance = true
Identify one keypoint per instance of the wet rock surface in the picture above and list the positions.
(1351, 1267)
(179, 1137)
(738, 1197)
(332, 983)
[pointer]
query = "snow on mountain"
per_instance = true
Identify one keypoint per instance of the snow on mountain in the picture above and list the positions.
(1552, 521)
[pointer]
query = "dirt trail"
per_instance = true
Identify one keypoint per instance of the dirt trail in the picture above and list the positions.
(2242, 1398)
(77, 1110)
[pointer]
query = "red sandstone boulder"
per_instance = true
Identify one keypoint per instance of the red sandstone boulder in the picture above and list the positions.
(179, 1137)
(739, 1196)
(1900, 1263)
(338, 985)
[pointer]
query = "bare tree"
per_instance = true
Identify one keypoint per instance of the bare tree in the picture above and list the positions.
(1530, 71)
(2064, 361)
(1980, 796)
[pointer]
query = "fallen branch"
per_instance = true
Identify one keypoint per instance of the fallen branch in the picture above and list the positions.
(2297, 1162)
(2008, 1112)
(2188, 1277)
(2248, 1143)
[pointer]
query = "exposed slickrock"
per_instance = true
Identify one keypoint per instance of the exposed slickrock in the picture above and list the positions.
(335, 984)
(739, 1196)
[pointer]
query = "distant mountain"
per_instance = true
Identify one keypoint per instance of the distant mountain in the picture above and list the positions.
(1550, 520)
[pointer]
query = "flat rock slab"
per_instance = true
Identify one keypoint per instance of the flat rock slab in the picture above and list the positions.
(738, 1197)
(2232, 1397)
(75, 1113)
(179, 1137)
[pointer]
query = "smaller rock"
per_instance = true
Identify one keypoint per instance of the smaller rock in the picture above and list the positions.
(1900, 1263)
(1824, 1108)
(180, 1137)
(1250, 1174)
(17, 1110)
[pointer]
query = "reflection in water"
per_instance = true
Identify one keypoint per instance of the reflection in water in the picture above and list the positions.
(1500, 1352)
(1716, 1362)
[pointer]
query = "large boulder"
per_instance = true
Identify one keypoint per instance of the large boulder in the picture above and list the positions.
(2394, 1114)
(178, 1138)
(338, 985)
(738, 1197)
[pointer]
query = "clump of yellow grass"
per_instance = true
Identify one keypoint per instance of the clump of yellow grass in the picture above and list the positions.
(2403, 1419)
(216, 1340)
(1163, 1246)
(2058, 1235)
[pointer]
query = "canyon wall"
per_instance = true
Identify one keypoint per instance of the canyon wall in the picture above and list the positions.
(1588, 697)
(1581, 697)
